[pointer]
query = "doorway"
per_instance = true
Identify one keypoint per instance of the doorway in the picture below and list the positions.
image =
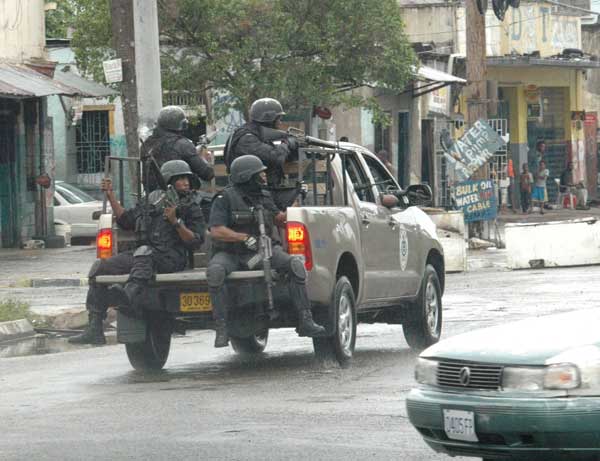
(427, 162)
(8, 176)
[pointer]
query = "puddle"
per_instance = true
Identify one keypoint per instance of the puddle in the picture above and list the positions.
(38, 345)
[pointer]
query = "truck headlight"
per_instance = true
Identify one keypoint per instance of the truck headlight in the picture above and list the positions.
(426, 371)
(560, 376)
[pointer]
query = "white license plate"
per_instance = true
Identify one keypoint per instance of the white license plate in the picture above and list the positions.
(460, 425)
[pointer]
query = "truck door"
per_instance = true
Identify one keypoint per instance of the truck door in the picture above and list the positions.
(378, 236)
(403, 256)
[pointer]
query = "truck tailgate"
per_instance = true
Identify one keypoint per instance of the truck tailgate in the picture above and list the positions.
(191, 277)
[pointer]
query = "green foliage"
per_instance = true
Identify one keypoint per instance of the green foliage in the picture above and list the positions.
(11, 309)
(303, 52)
(59, 21)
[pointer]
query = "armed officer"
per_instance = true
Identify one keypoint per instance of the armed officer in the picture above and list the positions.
(167, 142)
(249, 140)
(234, 233)
(166, 233)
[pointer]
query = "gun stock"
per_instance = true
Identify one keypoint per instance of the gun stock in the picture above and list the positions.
(266, 252)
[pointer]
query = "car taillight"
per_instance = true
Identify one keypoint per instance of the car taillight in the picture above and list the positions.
(104, 244)
(299, 242)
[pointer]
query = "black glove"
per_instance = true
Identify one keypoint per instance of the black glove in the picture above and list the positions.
(292, 143)
(251, 243)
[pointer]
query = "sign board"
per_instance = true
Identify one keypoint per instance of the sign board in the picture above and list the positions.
(474, 149)
(113, 70)
(477, 200)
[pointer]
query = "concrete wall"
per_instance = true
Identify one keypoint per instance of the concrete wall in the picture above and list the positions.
(591, 81)
(431, 23)
(22, 29)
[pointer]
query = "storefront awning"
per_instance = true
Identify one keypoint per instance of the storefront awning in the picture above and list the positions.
(433, 79)
(526, 61)
(18, 81)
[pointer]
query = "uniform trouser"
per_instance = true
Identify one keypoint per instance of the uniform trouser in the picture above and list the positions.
(223, 263)
(140, 266)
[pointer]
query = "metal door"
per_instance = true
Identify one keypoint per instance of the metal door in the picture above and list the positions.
(8, 176)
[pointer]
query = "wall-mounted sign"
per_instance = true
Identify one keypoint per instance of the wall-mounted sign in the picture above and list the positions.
(113, 70)
(477, 200)
(470, 152)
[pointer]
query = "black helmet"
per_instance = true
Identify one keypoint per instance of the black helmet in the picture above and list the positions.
(244, 167)
(172, 118)
(266, 110)
(174, 168)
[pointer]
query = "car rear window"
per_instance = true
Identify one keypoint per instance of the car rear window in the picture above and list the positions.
(72, 194)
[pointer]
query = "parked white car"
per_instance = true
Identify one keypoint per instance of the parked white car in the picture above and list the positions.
(75, 207)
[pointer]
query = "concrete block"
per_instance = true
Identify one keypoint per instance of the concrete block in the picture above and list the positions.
(553, 244)
(16, 329)
(73, 319)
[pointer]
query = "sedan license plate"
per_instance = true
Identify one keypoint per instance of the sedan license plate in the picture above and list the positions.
(194, 302)
(460, 425)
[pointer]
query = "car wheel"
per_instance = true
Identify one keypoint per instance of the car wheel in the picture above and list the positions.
(251, 345)
(152, 354)
(423, 324)
(340, 346)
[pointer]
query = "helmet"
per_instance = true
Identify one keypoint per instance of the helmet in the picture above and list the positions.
(174, 168)
(244, 167)
(172, 118)
(265, 110)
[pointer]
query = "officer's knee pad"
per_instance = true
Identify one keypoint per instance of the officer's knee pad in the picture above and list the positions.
(144, 250)
(95, 268)
(215, 275)
(297, 268)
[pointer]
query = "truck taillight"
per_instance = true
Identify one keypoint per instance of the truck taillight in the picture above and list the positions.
(299, 242)
(104, 244)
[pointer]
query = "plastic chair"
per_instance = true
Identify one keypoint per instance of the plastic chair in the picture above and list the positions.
(560, 197)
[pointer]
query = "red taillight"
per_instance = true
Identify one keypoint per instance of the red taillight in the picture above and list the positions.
(299, 242)
(104, 244)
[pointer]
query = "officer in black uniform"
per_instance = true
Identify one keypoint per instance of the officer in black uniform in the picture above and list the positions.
(170, 232)
(167, 142)
(234, 235)
(249, 140)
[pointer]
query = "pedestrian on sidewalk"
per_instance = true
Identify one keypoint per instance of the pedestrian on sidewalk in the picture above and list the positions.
(171, 230)
(525, 183)
(540, 194)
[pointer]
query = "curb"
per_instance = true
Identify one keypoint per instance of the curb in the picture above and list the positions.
(48, 283)
(16, 329)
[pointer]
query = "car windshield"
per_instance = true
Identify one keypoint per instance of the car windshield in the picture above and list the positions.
(72, 194)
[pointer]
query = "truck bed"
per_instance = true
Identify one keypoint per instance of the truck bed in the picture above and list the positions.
(187, 277)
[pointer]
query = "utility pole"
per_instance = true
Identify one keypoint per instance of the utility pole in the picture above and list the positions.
(135, 37)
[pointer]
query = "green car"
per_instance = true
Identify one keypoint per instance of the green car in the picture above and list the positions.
(528, 390)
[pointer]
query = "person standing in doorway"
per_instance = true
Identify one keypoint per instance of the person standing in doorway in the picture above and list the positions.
(540, 195)
(525, 183)
(537, 155)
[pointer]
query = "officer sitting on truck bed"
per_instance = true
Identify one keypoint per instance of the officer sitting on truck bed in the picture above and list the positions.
(164, 238)
(234, 233)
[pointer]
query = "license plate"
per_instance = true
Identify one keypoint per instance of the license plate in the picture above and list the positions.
(194, 302)
(460, 425)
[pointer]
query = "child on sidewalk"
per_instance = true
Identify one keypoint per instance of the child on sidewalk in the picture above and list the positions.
(525, 183)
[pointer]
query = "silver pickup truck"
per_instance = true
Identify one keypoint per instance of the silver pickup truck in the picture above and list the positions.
(372, 256)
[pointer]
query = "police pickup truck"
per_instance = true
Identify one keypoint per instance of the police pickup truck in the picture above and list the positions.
(371, 253)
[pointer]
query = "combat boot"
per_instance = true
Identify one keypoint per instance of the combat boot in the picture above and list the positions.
(124, 296)
(222, 337)
(93, 334)
(307, 326)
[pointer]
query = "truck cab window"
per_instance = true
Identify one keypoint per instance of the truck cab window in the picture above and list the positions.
(359, 179)
(383, 180)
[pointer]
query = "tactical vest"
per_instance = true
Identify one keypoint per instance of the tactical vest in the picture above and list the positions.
(243, 220)
(229, 154)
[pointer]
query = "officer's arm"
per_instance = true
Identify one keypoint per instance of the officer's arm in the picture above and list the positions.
(196, 163)
(225, 234)
(270, 155)
(117, 208)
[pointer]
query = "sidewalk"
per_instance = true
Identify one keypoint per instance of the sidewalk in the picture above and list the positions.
(563, 214)
(60, 267)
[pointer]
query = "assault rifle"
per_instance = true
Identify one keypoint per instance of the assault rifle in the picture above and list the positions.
(265, 253)
(295, 138)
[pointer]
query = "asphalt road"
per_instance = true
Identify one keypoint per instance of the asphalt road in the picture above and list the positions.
(209, 404)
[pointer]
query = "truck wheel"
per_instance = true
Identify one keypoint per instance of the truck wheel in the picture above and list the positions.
(152, 354)
(251, 345)
(423, 325)
(340, 346)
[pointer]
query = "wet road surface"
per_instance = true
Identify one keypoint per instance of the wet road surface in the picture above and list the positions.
(210, 404)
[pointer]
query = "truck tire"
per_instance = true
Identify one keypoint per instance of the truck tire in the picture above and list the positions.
(340, 346)
(152, 354)
(423, 324)
(251, 345)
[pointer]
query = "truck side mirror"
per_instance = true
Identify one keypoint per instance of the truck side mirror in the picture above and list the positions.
(419, 194)
(389, 201)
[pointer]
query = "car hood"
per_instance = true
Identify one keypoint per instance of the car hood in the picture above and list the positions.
(527, 342)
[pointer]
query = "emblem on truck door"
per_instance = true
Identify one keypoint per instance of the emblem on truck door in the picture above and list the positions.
(403, 249)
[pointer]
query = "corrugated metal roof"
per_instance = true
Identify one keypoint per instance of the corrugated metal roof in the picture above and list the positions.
(434, 75)
(88, 88)
(19, 81)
